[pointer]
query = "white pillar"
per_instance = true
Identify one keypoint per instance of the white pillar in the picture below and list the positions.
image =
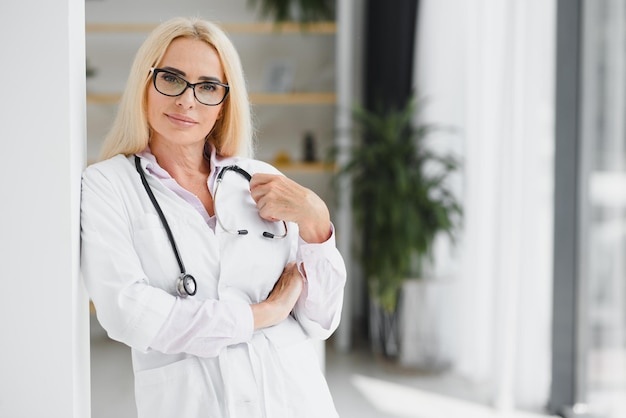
(44, 365)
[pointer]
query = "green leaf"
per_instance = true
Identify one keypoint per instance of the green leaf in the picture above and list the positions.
(399, 204)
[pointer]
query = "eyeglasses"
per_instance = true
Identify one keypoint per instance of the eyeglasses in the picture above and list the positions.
(210, 93)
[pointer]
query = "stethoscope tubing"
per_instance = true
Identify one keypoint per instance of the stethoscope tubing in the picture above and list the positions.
(186, 284)
(156, 205)
(248, 177)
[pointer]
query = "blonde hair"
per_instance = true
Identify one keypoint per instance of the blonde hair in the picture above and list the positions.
(232, 133)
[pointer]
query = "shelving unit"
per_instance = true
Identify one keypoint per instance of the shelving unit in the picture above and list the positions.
(276, 112)
(255, 98)
(232, 28)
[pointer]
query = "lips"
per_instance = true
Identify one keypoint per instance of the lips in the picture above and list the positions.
(180, 120)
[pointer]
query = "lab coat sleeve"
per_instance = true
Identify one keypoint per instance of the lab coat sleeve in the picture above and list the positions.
(319, 308)
(204, 328)
(128, 307)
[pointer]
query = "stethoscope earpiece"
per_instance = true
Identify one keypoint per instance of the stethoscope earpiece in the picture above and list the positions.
(247, 176)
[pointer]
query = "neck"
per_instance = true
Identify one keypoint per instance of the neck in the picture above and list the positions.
(182, 162)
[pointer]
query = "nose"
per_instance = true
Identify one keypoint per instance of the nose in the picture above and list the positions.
(186, 99)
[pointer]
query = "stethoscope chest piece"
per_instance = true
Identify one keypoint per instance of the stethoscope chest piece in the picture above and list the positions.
(186, 285)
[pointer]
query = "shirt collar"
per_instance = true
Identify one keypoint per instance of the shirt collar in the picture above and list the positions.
(152, 165)
(217, 161)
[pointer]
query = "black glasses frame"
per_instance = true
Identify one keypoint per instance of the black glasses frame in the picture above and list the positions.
(192, 86)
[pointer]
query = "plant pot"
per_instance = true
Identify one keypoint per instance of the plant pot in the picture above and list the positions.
(420, 324)
(383, 329)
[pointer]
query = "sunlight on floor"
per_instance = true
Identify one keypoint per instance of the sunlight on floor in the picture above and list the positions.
(402, 401)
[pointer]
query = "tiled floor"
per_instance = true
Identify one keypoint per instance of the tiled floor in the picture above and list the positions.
(362, 386)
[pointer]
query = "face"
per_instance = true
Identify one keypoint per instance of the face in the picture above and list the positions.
(182, 120)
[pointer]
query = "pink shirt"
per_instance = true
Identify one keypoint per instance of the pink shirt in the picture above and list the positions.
(155, 169)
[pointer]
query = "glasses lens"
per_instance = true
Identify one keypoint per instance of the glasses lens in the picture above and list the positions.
(210, 93)
(169, 84)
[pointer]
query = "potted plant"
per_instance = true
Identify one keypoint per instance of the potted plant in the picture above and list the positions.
(303, 11)
(401, 202)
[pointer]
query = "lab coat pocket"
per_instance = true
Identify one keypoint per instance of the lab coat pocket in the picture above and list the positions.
(155, 252)
(180, 389)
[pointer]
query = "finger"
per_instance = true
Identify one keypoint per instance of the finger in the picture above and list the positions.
(275, 209)
(264, 206)
(262, 178)
(261, 185)
(272, 204)
(278, 198)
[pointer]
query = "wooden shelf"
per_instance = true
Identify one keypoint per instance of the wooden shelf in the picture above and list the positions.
(293, 98)
(302, 167)
(103, 98)
(251, 27)
(255, 98)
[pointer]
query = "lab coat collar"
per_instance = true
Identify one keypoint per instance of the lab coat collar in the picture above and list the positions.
(149, 162)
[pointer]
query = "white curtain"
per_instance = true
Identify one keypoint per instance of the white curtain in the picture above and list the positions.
(485, 67)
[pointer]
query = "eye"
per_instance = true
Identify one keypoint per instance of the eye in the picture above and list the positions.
(170, 78)
(208, 87)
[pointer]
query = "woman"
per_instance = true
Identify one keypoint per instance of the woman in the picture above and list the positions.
(233, 340)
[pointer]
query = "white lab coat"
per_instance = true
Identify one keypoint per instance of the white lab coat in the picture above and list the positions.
(215, 364)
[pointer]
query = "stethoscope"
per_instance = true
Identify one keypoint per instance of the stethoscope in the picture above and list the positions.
(247, 176)
(185, 283)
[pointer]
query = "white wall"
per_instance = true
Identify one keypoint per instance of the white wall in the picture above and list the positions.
(44, 362)
(486, 68)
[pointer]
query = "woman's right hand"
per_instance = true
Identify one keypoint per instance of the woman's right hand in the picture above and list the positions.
(281, 299)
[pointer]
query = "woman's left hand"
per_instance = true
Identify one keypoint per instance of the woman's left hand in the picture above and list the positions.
(279, 198)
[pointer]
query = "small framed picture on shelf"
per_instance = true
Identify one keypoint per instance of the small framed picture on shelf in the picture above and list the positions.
(279, 75)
